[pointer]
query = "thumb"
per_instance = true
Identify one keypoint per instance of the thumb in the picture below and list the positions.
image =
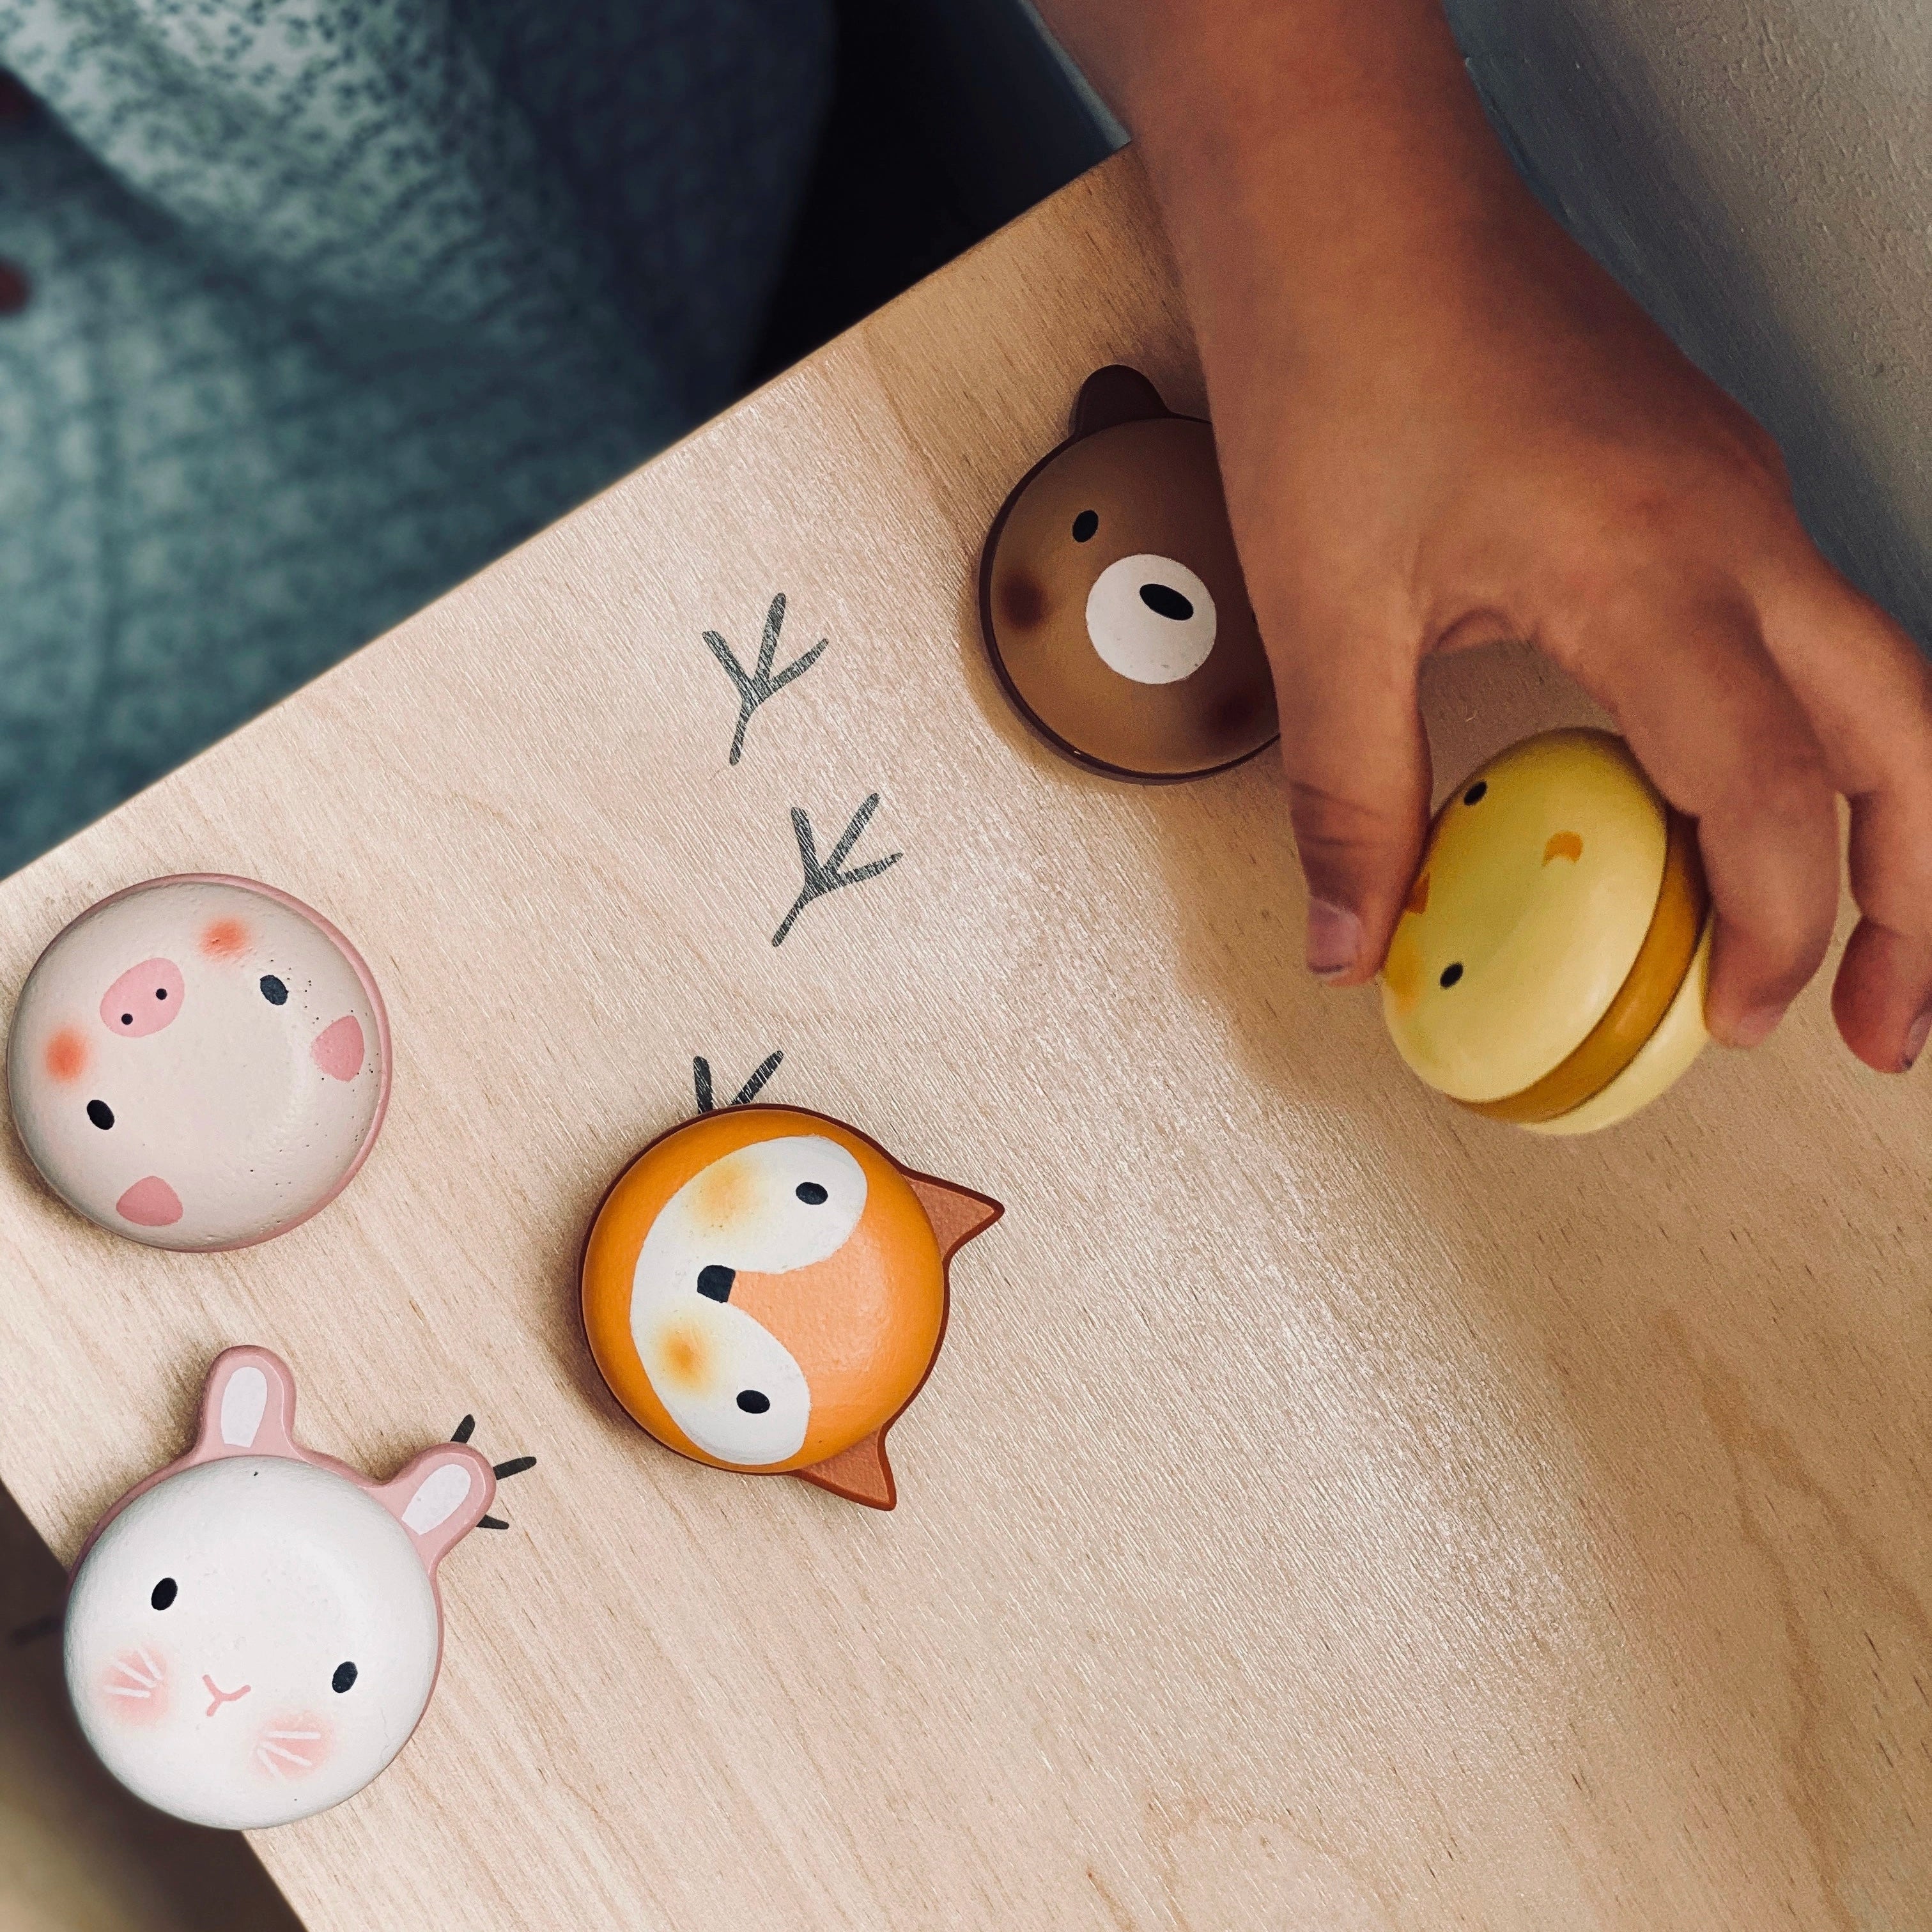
(1358, 776)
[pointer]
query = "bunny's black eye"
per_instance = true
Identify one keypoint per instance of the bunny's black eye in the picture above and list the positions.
(164, 1593)
(100, 1113)
(345, 1675)
(273, 991)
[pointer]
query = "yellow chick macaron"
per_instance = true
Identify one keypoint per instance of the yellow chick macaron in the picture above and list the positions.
(1549, 966)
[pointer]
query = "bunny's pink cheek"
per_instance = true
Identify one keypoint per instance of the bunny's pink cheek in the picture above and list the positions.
(132, 1689)
(291, 1747)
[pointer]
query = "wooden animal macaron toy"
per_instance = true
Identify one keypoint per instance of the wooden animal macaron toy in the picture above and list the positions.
(253, 1631)
(765, 1290)
(198, 1062)
(1112, 600)
(1549, 968)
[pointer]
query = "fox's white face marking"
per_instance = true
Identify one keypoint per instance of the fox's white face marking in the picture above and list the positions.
(213, 1622)
(196, 1064)
(727, 1382)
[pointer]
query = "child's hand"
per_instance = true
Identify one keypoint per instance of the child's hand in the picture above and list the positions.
(1440, 424)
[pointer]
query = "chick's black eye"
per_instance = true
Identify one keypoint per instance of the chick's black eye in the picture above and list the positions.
(164, 1593)
(273, 991)
(100, 1113)
(1477, 792)
(1084, 525)
(345, 1675)
(1451, 972)
(811, 1193)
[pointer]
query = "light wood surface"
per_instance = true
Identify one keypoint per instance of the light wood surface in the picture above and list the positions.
(1329, 1510)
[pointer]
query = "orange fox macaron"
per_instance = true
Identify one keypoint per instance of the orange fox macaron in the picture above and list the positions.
(765, 1290)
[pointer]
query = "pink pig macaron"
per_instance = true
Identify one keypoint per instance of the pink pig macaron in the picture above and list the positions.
(198, 1062)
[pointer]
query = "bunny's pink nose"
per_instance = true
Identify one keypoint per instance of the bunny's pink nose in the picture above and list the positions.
(150, 1203)
(220, 1696)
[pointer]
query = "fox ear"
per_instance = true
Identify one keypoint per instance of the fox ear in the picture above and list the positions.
(957, 1213)
(248, 1407)
(439, 1498)
(860, 1474)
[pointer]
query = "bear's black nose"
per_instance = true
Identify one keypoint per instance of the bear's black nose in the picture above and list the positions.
(1164, 601)
(715, 1281)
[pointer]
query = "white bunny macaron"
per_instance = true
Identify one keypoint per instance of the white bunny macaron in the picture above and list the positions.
(253, 1631)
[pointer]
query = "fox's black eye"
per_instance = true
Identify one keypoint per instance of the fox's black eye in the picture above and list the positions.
(164, 1593)
(811, 1193)
(273, 991)
(1084, 525)
(345, 1675)
(1451, 972)
(714, 1281)
(100, 1113)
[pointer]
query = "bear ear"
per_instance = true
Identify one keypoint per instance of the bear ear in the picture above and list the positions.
(1115, 394)
(248, 1407)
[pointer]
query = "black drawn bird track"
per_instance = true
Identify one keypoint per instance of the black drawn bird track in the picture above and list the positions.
(515, 1466)
(755, 686)
(823, 876)
(700, 1080)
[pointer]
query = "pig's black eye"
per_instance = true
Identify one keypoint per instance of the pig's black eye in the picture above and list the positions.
(273, 991)
(345, 1675)
(164, 1593)
(1084, 525)
(100, 1113)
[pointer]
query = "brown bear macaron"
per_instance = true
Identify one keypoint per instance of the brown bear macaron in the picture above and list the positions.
(1112, 601)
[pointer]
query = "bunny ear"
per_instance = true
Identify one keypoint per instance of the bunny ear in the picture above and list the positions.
(439, 1498)
(248, 1407)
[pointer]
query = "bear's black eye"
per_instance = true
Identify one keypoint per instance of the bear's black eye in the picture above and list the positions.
(100, 1113)
(164, 1593)
(1084, 525)
(273, 991)
(1451, 972)
(1477, 792)
(811, 1193)
(345, 1675)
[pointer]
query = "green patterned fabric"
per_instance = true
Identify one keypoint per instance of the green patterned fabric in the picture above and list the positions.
(331, 301)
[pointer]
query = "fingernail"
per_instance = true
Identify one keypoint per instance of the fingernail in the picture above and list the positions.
(1755, 1028)
(1915, 1041)
(1334, 939)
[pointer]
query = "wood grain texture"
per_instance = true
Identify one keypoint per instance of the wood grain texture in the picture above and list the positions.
(1329, 1509)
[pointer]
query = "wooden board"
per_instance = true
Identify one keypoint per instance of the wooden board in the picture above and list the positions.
(1329, 1509)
